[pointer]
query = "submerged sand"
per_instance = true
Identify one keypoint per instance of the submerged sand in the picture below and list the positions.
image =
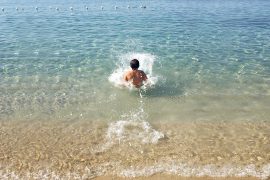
(82, 149)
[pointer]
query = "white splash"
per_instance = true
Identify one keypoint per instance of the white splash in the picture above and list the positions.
(146, 64)
(133, 127)
(123, 131)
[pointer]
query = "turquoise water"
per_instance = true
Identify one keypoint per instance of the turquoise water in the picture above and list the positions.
(64, 113)
(211, 58)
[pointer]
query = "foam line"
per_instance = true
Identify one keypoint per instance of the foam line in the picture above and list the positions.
(116, 169)
(210, 170)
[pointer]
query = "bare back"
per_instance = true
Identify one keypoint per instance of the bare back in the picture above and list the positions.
(136, 77)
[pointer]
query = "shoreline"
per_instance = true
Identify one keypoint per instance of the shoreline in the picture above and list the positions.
(92, 174)
(87, 148)
(173, 177)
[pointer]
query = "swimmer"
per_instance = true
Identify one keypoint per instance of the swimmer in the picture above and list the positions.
(135, 76)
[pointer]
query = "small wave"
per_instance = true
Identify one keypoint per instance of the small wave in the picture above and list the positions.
(116, 169)
(131, 128)
(185, 170)
(146, 64)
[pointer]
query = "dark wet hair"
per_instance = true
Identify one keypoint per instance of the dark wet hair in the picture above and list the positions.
(134, 64)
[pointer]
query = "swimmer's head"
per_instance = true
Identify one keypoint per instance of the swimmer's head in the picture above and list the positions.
(134, 64)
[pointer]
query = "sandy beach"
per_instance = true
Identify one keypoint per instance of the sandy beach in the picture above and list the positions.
(84, 148)
(67, 110)
(171, 177)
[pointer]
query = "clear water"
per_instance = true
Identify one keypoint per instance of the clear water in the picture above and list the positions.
(208, 63)
(58, 61)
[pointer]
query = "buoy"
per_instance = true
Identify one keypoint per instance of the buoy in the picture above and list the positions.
(57, 9)
(128, 6)
(102, 7)
(17, 8)
(115, 7)
(86, 8)
(3, 9)
(71, 8)
(36, 8)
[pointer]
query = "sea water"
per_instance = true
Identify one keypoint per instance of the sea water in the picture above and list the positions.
(208, 68)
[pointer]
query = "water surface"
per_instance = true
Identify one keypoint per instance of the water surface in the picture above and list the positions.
(210, 71)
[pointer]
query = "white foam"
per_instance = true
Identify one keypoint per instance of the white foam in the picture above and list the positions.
(146, 64)
(185, 170)
(123, 131)
(133, 127)
(167, 167)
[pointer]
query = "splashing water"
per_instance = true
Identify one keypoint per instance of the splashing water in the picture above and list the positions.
(146, 64)
(133, 128)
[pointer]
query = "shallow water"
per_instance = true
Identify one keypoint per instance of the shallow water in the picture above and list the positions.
(85, 149)
(208, 66)
(54, 61)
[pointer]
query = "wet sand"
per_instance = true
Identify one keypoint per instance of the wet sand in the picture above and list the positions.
(81, 148)
(171, 177)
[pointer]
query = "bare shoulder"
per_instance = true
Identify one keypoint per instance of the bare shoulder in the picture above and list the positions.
(143, 74)
(128, 75)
